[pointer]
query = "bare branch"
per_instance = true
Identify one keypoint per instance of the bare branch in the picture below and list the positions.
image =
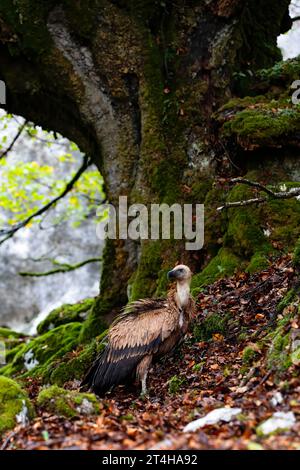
(64, 268)
(293, 192)
(296, 18)
(254, 184)
(10, 232)
(247, 202)
(9, 148)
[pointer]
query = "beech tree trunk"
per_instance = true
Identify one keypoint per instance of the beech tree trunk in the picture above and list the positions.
(135, 84)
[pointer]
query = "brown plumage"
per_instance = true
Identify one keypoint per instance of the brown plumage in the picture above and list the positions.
(146, 330)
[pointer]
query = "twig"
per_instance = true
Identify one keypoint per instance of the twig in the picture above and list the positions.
(10, 232)
(293, 192)
(249, 376)
(6, 151)
(64, 268)
(254, 184)
(228, 156)
(270, 322)
(247, 202)
(296, 18)
(263, 380)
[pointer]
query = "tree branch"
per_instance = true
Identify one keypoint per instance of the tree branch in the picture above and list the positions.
(296, 18)
(64, 268)
(293, 192)
(10, 232)
(254, 184)
(6, 151)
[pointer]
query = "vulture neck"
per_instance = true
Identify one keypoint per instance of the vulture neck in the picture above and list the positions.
(183, 293)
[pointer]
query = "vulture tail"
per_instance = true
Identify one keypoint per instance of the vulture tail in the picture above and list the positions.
(105, 374)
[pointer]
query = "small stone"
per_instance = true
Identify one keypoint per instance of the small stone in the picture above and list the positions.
(219, 414)
(277, 399)
(279, 422)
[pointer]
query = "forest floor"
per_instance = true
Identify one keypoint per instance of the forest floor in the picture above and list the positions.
(206, 374)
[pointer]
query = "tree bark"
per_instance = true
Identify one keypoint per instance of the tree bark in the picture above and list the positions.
(135, 85)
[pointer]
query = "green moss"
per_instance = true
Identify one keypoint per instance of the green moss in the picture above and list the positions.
(67, 403)
(212, 323)
(249, 354)
(8, 333)
(36, 357)
(289, 297)
(243, 336)
(245, 233)
(144, 279)
(74, 365)
(263, 125)
(258, 262)
(128, 417)
(278, 357)
(295, 357)
(175, 383)
(296, 254)
(66, 314)
(241, 231)
(284, 217)
(224, 264)
(242, 103)
(11, 339)
(95, 323)
(198, 367)
(13, 401)
(278, 342)
(285, 70)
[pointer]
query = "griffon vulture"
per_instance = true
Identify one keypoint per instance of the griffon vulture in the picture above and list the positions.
(145, 330)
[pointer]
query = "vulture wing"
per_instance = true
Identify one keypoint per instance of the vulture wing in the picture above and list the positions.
(137, 332)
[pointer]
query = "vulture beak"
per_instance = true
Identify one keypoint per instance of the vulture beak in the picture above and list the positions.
(172, 275)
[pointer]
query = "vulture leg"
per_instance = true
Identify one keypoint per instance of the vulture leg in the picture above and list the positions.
(142, 372)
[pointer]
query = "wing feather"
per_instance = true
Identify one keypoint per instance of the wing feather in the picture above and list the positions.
(142, 328)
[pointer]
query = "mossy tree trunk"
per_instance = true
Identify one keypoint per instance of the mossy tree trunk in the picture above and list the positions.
(135, 84)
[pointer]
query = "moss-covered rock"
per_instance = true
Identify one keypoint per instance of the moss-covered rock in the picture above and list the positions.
(253, 127)
(8, 333)
(250, 235)
(75, 364)
(285, 71)
(10, 338)
(67, 403)
(15, 406)
(66, 314)
(37, 356)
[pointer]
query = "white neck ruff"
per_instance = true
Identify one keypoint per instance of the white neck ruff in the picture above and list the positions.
(183, 294)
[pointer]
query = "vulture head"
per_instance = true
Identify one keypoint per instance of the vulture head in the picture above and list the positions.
(180, 273)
